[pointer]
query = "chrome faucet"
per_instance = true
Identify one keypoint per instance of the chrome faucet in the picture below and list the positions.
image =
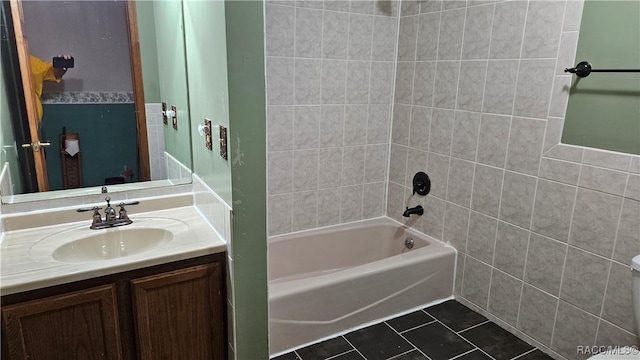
(110, 219)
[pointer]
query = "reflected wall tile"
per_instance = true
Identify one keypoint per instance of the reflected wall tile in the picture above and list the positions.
(441, 130)
(492, 140)
(308, 81)
(351, 203)
(552, 209)
(451, 31)
(355, 124)
(573, 326)
(279, 30)
(584, 280)
(328, 206)
(280, 75)
(508, 28)
(384, 38)
(358, 77)
(595, 220)
(378, 124)
(280, 127)
(280, 172)
(427, 44)
(525, 145)
(537, 314)
(331, 125)
(545, 261)
(308, 36)
(375, 168)
(306, 126)
(487, 186)
(334, 43)
(477, 32)
(465, 135)
(280, 214)
(533, 88)
(499, 90)
(518, 194)
(460, 181)
(360, 36)
(543, 29)
(329, 167)
(373, 200)
(471, 85)
(456, 224)
(628, 236)
(305, 210)
(504, 300)
(446, 82)
(334, 80)
(407, 39)
(475, 285)
(305, 169)
(482, 237)
(618, 301)
(424, 78)
(381, 82)
(511, 249)
(419, 130)
(438, 171)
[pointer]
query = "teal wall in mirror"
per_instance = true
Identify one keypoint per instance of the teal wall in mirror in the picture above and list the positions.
(604, 108)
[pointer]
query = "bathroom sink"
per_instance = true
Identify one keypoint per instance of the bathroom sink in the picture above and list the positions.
(112, 244)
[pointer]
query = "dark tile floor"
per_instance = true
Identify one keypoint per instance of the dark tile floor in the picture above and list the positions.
(445, 331)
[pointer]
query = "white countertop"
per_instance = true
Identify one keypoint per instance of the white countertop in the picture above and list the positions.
(26, 261)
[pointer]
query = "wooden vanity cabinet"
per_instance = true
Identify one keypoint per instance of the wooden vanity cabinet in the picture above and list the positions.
(170, 311)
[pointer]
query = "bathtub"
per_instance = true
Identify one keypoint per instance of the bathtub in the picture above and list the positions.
(326, 281)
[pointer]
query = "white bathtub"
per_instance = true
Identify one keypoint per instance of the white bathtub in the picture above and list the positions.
(323, 282)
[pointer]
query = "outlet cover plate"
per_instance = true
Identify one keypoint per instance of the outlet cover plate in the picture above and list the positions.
(175, 117)
(223, 142)
(207, 134)
(165, 119)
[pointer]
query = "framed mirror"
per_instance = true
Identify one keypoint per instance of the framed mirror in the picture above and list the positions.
(104, 120)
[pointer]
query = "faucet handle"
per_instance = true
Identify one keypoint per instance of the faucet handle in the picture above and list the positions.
(94, 209)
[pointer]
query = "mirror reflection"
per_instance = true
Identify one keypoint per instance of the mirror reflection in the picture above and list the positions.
(99, 123)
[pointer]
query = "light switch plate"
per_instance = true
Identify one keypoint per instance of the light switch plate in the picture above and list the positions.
(165, 119)
(175, 117)
(207, 134)
(223, 142)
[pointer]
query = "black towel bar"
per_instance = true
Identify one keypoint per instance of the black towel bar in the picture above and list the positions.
(583, 69)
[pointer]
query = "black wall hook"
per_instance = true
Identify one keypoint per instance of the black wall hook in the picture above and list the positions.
(421, 183)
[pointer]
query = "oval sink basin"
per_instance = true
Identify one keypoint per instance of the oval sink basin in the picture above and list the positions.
(112, 244)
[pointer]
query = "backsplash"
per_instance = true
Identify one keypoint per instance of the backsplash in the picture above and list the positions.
(545, 231)
(329, 91)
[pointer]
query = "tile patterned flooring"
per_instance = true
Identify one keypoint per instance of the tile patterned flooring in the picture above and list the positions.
(445, 331)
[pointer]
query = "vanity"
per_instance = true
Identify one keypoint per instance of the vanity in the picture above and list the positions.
(153, 289)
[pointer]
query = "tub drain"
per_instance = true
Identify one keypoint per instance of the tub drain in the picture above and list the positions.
(408, 242)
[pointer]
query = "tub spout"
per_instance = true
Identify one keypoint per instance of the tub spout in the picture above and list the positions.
(418, 210)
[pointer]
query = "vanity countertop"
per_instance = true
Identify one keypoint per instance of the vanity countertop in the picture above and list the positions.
(26, 255)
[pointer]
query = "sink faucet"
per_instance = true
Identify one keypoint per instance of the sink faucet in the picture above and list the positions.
(110, 219)
(418, 210)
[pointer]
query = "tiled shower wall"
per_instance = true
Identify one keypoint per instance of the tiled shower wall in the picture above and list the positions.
(545, 231)
(330, 67)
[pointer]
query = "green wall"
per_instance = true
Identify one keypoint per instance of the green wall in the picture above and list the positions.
(604, 108)
(7, 148)
(108, 140)
(245, 54)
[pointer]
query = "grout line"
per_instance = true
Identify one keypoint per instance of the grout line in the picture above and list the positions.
(409, 342)
(525, 353)
(354, 348)
(473, 326)
(415, 327)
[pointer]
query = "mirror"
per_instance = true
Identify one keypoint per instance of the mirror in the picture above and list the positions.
(108, 106)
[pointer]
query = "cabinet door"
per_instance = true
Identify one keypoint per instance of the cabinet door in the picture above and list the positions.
(179, 314)
(77, 325)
